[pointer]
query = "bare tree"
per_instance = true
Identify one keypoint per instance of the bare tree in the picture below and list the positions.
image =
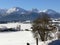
(42, 26)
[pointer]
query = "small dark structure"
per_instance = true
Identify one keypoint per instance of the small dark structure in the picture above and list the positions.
(28, 44)
(56, 42)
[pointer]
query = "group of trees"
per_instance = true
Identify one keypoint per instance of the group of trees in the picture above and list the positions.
(42, 26)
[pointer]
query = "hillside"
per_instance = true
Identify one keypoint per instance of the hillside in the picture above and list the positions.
(19, 14)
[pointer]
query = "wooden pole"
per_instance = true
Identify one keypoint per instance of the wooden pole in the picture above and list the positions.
(36, 41)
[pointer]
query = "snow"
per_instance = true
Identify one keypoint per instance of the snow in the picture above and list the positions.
(26, 26)
(45, 10)
(14, 25)
(19, 37)
(16, 9)
(8, 25)
(12, 10)
(16, 38)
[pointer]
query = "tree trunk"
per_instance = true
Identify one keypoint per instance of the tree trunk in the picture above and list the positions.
(36, 41)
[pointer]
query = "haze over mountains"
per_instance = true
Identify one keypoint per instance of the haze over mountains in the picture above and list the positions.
(20, 14)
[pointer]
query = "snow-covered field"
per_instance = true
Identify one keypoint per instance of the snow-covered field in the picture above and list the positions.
(16, 38)
(19, 37)
(14, 25)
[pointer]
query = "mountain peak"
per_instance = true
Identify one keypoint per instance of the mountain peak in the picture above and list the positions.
(35, 10)
(17, 13)
(49, 11)
(16, 9)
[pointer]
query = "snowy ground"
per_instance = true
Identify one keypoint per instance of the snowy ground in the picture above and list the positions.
(14, 25)
(16, 38)
(19, 37)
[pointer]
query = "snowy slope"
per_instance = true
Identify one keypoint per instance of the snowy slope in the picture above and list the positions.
(52, 13)
(20, 14)
(16, 10)
(16, 38)
(14, 25)
(19, 38)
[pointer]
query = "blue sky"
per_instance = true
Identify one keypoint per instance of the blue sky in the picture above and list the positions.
(29, 4)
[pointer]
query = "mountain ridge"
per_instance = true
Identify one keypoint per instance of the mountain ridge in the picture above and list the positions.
(20, 14)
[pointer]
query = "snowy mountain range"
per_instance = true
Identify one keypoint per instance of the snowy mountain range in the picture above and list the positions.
(19, 14)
